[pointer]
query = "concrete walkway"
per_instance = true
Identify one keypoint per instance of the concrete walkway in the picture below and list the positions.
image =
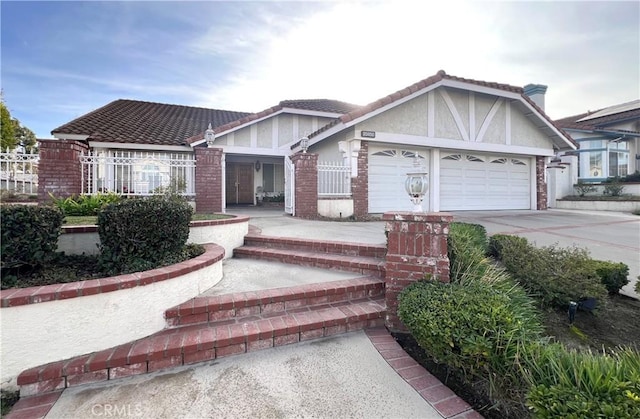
(352, 375)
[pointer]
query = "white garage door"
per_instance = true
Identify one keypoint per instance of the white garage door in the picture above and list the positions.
(470, 181)
(388, 168)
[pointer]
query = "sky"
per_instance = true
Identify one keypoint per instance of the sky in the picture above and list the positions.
(60, 60)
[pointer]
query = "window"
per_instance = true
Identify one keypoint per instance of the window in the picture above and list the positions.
(267, 177)
(501, 160)
(474, 158)
(452, 157)
(518, 162)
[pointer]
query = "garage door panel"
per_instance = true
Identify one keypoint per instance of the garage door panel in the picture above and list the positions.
(478, 182)
(388, 168)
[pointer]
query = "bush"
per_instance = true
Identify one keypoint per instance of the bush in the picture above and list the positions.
(613, 187)
(29, 234)
(477, 328)
(556, 276)
(467, 248)
(137, 233)
(570, 384)
(633, 177)
(612, 275)
(583, 188)
(85, 204)
(498, 242)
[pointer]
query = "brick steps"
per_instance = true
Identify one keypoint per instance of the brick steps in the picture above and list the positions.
(317, 246)
(186, 343)
(272, 301)
(352, 257)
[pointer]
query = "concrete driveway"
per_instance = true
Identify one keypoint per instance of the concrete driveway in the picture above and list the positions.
(606, 235)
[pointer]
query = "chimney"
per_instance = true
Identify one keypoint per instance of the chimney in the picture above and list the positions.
(536, 93)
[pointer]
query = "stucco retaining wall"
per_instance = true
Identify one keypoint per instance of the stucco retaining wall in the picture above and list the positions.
(620, 206)
(228, 233)
(47, 324)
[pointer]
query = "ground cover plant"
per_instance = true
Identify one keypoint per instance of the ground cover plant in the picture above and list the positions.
(503, 341)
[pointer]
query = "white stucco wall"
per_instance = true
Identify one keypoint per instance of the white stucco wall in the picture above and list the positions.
(335, 208)
(36, 334)
(407, 118)
(229, 236)
(78, 243)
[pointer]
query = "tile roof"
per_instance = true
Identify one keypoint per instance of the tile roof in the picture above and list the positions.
(138, 122)
(440, 75)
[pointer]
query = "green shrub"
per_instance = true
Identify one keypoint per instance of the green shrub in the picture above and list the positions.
(137, 233)
(612, 275)
(633, 177)
(497, 242)
(613, 187)
(477, 328)
(467, 248)
(85, 204)
(637, 287)
(556, 276)
(583, 188)
(29, 234)
(570, 384)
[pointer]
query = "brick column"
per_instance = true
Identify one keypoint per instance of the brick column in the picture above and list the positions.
(360, 184)
(60, 170)
(416, 246)
(306, 193)
(208, 180)
(541, 185)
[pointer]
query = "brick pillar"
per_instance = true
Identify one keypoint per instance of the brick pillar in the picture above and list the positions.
(541, 185)
(60, 170)
(416, 246)
(360, 184)
(208, 180)
(306, 193)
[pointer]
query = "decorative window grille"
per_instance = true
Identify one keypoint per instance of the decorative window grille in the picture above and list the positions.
(334, 179)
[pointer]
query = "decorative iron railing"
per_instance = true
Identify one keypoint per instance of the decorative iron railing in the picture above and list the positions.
(334, 179)
(137, 173)
(19, 172)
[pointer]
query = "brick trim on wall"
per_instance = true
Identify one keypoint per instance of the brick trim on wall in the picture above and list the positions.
(208, 180)
(60, 170)
(541, 185)
(416, 247)
(360, 184)
(306, 184)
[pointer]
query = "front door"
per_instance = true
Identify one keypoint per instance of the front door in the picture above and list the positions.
(239, 183)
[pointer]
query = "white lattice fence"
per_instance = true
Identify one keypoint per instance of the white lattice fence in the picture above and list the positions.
(137, 172)
(334, 179)
(19, 172)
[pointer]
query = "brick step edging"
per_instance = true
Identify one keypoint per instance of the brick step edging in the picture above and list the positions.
(271, 301)
(318, 246)
(191, 344)
(359, 264)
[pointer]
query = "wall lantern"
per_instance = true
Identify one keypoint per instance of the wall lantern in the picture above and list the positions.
(304, 144)
(209, 136)
(417, 184)
(258, 165)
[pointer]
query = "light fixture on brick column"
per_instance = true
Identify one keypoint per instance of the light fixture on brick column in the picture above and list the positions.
(417, 184)
(209, 136)
(304, 144)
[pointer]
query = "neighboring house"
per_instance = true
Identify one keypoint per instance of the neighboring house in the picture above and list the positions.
(609, 141)
(485, 145)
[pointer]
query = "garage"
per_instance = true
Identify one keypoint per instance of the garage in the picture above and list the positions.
(388, 168)
(473, 181)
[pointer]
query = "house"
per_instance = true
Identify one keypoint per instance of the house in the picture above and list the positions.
(484, 145)
(609, 141)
